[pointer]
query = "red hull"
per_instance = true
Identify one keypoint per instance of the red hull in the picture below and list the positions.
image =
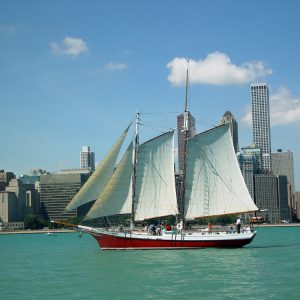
(112, 242)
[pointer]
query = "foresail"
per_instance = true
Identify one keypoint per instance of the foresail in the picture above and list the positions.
(95, 184)
(214, 184)
(116, 197)
(155, 179)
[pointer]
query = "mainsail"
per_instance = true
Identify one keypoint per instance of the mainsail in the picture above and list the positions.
(155, 179)
(95, 184)
(214, 184)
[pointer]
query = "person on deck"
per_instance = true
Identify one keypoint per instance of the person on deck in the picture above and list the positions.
(209, 227)
(158, 229)
(238, 225)
(151, 229)
(168, 227)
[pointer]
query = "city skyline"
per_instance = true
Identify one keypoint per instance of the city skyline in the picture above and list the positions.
(74, 74)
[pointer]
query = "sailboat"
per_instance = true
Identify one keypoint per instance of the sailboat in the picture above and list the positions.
(143, 186)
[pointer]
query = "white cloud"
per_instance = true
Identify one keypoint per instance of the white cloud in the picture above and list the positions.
(111, 66)
(284, 109)
(247, 118)
(217, 69)
(69, 46)
(7, 29)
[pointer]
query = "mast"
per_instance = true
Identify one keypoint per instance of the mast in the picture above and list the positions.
(186, 136)
(136, 146)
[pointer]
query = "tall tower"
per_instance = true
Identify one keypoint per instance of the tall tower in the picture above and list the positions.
(181, 137)
(261, 122)
(229, 118)
(87, 158)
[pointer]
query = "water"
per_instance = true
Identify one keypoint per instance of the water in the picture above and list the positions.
(36, 266)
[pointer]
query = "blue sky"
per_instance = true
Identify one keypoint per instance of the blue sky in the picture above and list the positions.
(74, 73)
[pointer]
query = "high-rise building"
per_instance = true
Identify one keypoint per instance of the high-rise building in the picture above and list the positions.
(87, 159)
(229, 118)
(271, 197)
(181, 137)
(284, 210)
(283, 164)
(261, 122)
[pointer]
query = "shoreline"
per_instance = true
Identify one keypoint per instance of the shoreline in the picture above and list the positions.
(45, 231)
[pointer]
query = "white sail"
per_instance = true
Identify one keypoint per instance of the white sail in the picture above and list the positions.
(116, 197)
(155, 179)
(214, 184)
(95, 184)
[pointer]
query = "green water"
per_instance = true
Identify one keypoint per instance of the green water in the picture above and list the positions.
(36, 266)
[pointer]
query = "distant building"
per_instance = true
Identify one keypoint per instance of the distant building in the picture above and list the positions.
(181, 137)
(75, 171)
(87, 159)
(261, 122)
(229, 118)
(19, 189)
(33, 177)
(9, 212)
(5, 178)
(27, 198)
(283, 164)
(18, 201)
(247, 165)
(284, 209)
(56, 192)
(271, 197)
(8, 207)
(256, 153)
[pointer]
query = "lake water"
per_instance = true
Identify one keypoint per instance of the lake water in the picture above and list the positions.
(37, 266)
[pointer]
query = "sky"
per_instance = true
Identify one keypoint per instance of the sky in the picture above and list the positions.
(74, 73)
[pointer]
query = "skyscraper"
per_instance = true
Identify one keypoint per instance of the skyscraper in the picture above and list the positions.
(283, 164)
(261, 122)
(181, 137)
(229, 118)
(87, 159)
(271, 197)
